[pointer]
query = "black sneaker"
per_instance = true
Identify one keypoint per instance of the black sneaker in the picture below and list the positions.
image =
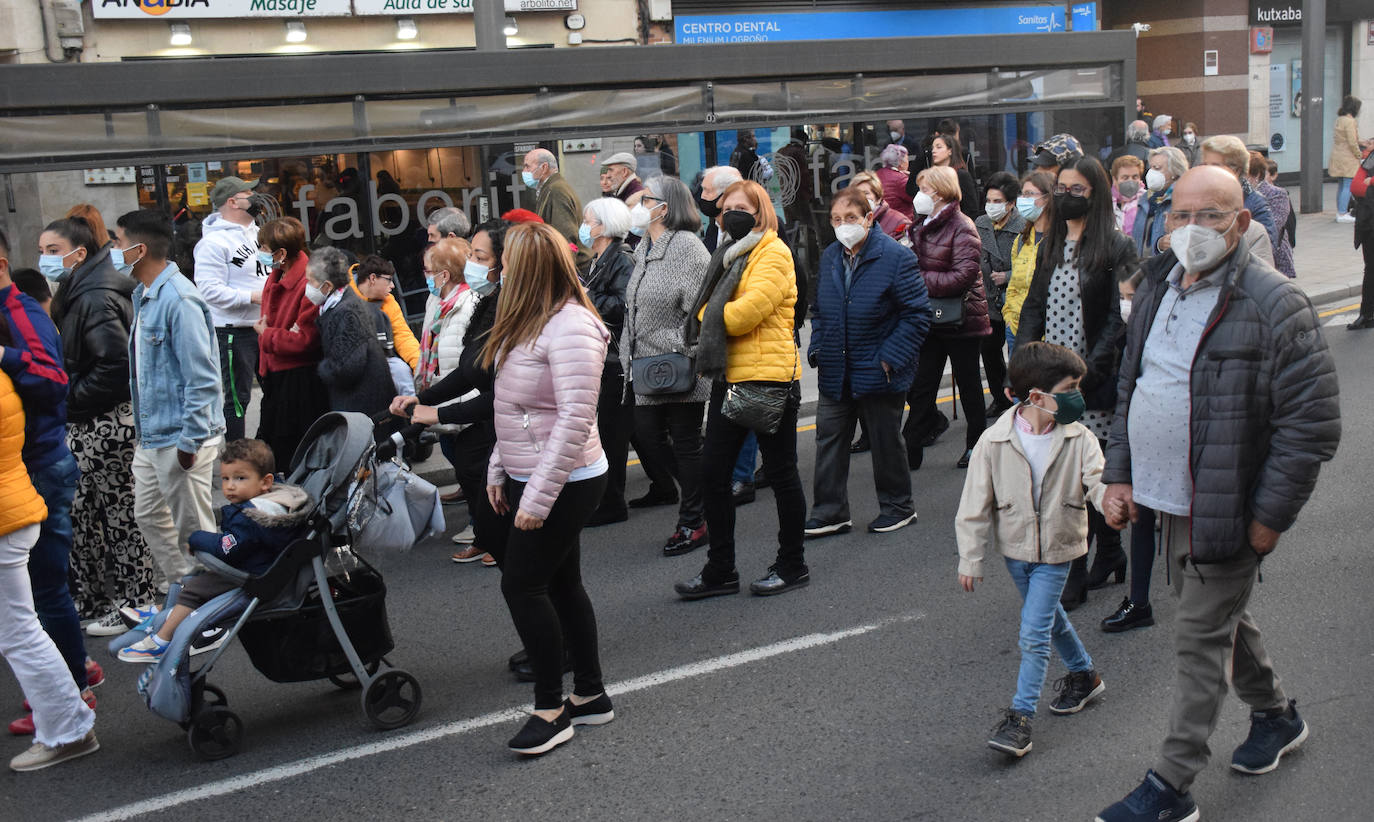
(1076, 690)
(886, 523)
(540, 736)
(819, 528)
(1272, 734)
(1153, 801)
(1129, 615)
(596, 712)
(1012, 735)
(776, 583)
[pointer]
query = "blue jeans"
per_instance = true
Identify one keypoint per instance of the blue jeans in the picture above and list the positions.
(1011, 343)
(748, 459)
(1342, 195)
(1043, 622)
(48, 564)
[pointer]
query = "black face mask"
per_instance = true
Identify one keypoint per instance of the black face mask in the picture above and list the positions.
(710, 208)
(737, 223)
(1071, 206)
(254, 208)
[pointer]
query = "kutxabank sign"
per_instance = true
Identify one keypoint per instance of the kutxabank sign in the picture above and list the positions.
(229, 9)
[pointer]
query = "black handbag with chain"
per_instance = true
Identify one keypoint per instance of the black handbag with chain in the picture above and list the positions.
(758, 405)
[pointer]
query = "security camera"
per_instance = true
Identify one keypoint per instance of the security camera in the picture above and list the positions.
(1139, 27)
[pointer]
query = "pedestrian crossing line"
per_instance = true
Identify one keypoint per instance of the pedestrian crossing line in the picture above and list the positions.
(668, 676)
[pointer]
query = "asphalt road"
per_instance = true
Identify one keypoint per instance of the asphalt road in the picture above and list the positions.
(868, 695)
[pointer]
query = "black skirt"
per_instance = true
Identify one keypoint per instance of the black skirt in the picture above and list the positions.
(291, 401)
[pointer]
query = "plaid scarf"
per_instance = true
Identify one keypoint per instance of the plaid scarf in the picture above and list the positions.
(428, 372)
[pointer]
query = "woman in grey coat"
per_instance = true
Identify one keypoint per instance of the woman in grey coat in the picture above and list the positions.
(669, 268)
(998, 228)
(353, 366)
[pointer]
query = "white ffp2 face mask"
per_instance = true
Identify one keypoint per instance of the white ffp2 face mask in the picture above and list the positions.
(923, 203)
(995, 211)
(1155, 180)
(850, 235)
(1198, 249)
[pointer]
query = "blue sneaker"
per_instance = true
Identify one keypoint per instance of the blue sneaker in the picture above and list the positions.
(1272, 734)
(134, 615)
(1154, 801)
(145, 650)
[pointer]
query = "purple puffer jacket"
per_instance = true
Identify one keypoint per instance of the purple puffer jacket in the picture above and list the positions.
(545, 405)
(949, 250)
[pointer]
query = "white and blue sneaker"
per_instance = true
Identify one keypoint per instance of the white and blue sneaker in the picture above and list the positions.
(134, 615)
(147, 649)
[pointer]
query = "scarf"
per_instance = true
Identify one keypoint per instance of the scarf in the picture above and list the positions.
(721, 284)
(428, 372)
(1126, 208)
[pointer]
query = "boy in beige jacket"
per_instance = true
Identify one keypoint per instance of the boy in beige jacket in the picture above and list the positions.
(1029, 480)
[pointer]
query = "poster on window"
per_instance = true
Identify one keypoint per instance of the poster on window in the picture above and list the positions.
(1278, 107)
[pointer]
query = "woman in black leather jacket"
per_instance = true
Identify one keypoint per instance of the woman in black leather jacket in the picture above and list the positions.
(110, 564)
(605, 222)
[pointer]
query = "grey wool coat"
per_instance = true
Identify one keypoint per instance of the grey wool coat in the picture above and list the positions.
(667, 277)
(354, 366)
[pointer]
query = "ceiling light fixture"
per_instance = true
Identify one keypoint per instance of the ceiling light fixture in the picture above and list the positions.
(295, 31)
(406, 28)
(181, 34)
(511, 28)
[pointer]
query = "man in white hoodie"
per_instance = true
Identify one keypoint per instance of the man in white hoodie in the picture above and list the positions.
(231, 281)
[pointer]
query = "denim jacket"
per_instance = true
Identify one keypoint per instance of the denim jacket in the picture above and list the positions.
(174, 365)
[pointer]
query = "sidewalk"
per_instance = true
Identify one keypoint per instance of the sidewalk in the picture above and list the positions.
(1329, 266)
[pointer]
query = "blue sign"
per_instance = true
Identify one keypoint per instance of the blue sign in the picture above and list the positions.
(849, 25)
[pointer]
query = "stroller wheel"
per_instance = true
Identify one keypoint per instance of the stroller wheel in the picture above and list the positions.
(392, 700)
(215, 733)
(348, 681)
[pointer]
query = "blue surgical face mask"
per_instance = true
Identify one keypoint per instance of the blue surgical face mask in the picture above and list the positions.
(429, 283)
(475, 275)
(117, 259)
(265, 259)
(54, 266)
(528, 178)
(1029, 208)
(584, 234)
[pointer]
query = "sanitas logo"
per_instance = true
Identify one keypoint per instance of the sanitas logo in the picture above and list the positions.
(156, 7)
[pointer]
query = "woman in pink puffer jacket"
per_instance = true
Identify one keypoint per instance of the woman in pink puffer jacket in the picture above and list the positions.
(548, 346)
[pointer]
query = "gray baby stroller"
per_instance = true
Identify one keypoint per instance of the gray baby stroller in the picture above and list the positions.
(319, 612)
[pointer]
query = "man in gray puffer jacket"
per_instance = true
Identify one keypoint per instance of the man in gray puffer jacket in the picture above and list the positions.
(1228, 345)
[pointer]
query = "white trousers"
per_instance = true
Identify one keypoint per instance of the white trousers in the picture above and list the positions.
(171, 502)
(59, 714)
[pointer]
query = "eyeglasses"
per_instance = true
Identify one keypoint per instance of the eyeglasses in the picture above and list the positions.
(848, 220)
(1076, 190)
(1207, 218)
(655, 199)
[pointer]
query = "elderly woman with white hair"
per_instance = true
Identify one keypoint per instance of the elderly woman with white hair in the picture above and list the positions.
(893, 174)
(1166, 166)
(353, 366)
(605, 223)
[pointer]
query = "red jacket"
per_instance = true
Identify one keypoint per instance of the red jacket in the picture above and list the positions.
(949, 249)
(894, 191)
(286, 308)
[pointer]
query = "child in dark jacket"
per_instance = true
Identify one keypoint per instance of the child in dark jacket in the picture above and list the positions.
(261, 519)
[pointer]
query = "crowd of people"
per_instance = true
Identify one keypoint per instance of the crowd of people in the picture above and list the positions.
(1097, 305)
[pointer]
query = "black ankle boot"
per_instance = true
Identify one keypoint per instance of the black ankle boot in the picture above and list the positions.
(1112, 565)
(1076, 588)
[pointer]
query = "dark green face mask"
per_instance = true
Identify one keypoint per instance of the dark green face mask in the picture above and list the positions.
(1071, 406)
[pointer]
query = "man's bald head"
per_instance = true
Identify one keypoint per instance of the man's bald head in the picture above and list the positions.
(541, 163)
(1208, 187)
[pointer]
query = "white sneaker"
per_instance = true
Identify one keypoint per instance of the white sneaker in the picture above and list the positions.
(112, 624)
(465, 536)
(1345, 218)
(40, 756)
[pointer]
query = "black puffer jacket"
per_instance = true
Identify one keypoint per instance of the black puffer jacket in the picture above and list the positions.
(1264, 399)
(1102, 325)
(606, 282)
(93, 310)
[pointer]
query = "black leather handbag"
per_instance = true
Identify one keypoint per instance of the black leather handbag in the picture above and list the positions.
(947, 312)
(670, 373)
(758, 405)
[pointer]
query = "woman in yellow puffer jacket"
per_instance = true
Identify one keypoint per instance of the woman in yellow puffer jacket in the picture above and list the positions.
(1035, 204)
(744, 329)
(62, 721)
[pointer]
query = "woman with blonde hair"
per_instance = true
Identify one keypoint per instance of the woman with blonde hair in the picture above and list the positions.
(548, 345)
(742, 324)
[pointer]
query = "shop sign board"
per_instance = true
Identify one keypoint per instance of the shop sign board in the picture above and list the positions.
(1271, 13)
(225, 9)
(406, 8)
(794, 26)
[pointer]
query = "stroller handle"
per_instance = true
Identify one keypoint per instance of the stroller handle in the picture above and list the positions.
(396, 443)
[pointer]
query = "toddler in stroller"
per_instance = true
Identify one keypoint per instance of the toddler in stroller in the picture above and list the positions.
(261, 519)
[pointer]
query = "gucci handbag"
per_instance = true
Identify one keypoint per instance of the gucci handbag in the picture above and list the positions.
(670, 373)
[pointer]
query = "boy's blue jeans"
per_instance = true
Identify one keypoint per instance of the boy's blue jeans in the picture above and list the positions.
(748, 459)
(1043, 622)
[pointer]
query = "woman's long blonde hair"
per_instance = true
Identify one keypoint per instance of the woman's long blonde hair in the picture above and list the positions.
(540, 279)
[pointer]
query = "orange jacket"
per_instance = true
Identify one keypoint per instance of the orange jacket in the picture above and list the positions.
(20, 504)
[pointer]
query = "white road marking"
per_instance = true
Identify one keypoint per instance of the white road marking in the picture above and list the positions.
(278, 773)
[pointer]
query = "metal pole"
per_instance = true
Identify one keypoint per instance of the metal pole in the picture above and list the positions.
(489, 21)
(1313, 109)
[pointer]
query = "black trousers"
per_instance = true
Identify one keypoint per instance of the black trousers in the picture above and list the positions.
(994, 366)
(1142, 554)
(668, 439)
(1367, 291)
(542, 582)
(962, 353)
(469, 450)
(719, 453)
(614, 419)
(238, 363)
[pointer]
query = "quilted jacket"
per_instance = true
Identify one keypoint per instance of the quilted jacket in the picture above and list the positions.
(883, 319)
(545, 404)
(1264, 399)
(20, 505)
(451, 327)
(759, 316)
(948, 248)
